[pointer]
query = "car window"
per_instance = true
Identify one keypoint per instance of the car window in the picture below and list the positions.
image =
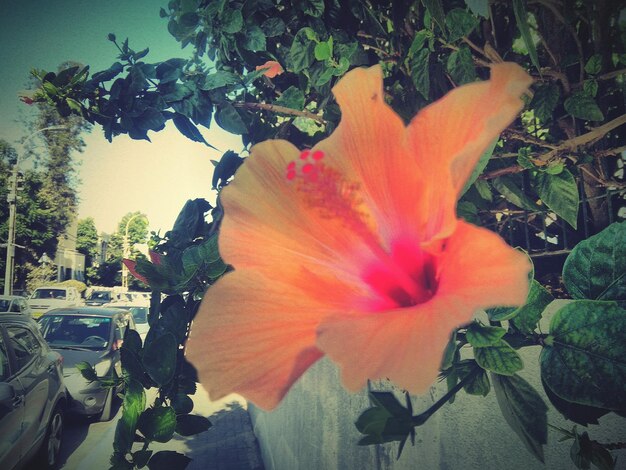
(74, 330)
(49, 294)
(140, 314)
(5, 372)
(25, 345)
(15, 307)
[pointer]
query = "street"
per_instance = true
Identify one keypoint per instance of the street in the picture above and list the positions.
(228, 445)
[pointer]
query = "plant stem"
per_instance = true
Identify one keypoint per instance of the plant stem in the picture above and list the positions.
(280, 109)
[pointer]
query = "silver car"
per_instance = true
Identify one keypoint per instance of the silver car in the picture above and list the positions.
(14, 304)
(93, 335)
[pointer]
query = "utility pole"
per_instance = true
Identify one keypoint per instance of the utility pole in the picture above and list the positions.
(12, 200)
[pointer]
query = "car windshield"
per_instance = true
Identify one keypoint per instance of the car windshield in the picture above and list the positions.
(49, 294)
(76, 331)
(99, 295)
(4, 305)
(140, 314)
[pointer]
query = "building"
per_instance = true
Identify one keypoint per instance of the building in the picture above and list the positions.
(70, 263)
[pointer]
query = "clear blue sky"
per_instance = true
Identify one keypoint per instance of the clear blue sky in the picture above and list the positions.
(127, 175)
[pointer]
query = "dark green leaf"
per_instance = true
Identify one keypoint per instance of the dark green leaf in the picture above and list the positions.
(479, 7)
(170, 70)
(590, 87)
(499, 358)
(545, 100)
(560, 193)
(254, 39)
(302, 52)
(131, 363)
(581, 414)
(387, 421)
(594, 64)
(229, 119)
(420, 73)
(232, 21)
(87, 371)
(314, 8)
(582, 106)
(182, 404)
(460, 23)
(596, 267)
(461, 66)
(583, 360)
(188, 129)
(449, 353)
(273, 27)
(189, 20)
(436, 12)
(157, 424)
(507, 187)
(292, 97)
(524, 410)
(521, 17)
(159, 358)
(480, 336)
(219, 79)
(108, 74)
(527, 317)
(133, 405)
(226, 168)
(141, 457)
(479, 385)
(189, 425)
(150, 119)
(141, 54)
(168, 460)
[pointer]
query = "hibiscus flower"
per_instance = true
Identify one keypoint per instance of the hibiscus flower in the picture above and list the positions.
(272, 67)
(353, 249)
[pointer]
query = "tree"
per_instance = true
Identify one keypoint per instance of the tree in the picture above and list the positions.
(87, 243)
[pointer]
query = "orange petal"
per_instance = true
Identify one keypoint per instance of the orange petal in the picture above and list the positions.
(268, 225)
(477, 270)
(449, 136)
(253, 336)
(369, 146)
(273, 68)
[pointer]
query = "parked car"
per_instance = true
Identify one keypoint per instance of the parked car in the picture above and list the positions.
(139, 310)
(14, 304)
(48, 297)
(93, 335)
(32, 395)
(100, 297)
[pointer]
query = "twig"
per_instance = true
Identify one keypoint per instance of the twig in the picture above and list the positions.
(280, 109)
(513, 134)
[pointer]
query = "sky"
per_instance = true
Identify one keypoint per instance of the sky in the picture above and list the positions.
(127, 175)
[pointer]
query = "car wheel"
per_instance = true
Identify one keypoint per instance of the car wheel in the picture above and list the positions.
(48, 456)
(107, 410)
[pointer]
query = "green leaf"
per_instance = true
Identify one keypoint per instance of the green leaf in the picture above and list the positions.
(560, 193)
(141, 457)
(292, 97)
(479, 168)
(527, 317)
(387, 421)
(582, 106)
(232, 21)
(159, 358)
(254, 39)
(460, 23)
(226, 168)
(87, 371)
(158, 424)
(182, 404)
(449, 353)
(594, 64)
(229, 119)
(189, 20)
(521, 17)
(170, 70)
(189, 425)
(499, 358)
(150, 119)
(322, 51)
(544, 101)
(479, 7)
(480, 336)
(420, 74)
(132, 406)
(524, 410)
(302, 51)
(188, 129)
(314, 8)
(596, 267)
(219, 79)
(273, 27)
(479, 385)
(436, 12)
(590, 87)
(483, 189)
(584, 358)
(506, 186)
(168, 460)
(461, 66)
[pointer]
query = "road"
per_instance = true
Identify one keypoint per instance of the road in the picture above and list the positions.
(87, 444)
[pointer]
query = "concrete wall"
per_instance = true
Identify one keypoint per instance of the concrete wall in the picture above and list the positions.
(313, 429)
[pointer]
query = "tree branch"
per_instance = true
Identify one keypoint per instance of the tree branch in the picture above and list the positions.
(279, 109)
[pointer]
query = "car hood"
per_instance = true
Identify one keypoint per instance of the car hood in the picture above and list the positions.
(71, 357)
